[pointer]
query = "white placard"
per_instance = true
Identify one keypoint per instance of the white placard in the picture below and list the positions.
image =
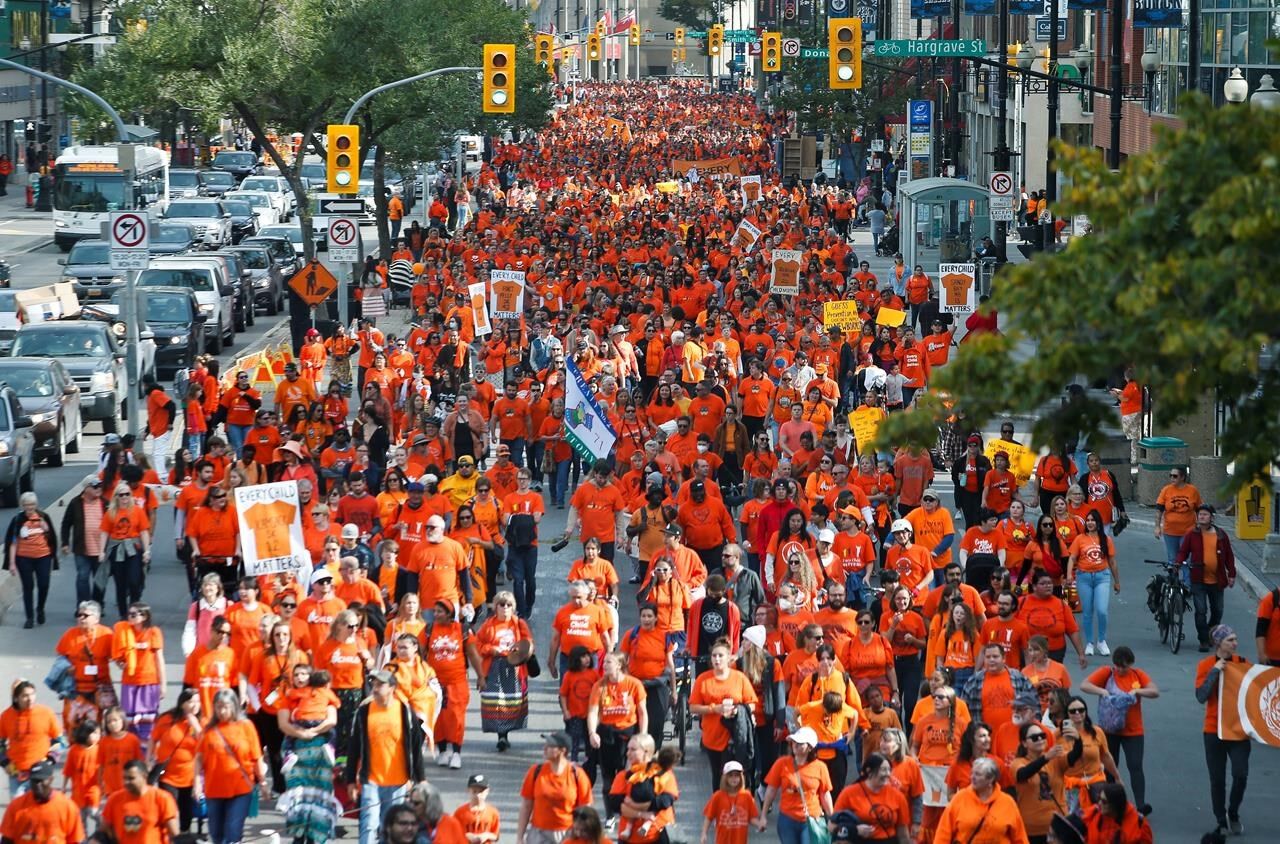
(271, 529)
(129, 233)
(344, 240)
(506, 294)
(959, 292)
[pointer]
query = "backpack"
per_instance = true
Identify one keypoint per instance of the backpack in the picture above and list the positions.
(522, 531)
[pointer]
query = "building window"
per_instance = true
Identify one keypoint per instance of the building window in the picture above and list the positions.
(24, 25)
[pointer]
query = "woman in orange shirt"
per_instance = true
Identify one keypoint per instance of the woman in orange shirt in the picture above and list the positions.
(905, 629)
(1017, 533)
(476, 543)
(501, 641)
(392, 497)
(416, 682)
(229, 766)
(805, 785)
(1092, 566)
(268, 670)
(904, 774)
(126, 545)
(408, 619)
(137, 646)
(974, 744)
(662, 408)
(449, 649)
(715, 696)
(347, 659)
(935, 741)
(960, 642)
(173, 749)
(869, 659)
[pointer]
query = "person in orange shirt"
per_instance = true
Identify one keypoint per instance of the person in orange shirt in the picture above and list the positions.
(230, 763)
(126, 544)
(450, 649)
(137, 647)
(511, 420)
(480, 821)
(919, 289)
(804, 783)
(212, 667)
(1218, 751)
(140, 813)
(239, 405)
(440, 564)
(594, 508)
(912, 562)
(615, 712)
(732, 808)
(42, 814)
(117, 747)
(162, 412)
(882, 809)
(715, 697)
(982, 813)
(551, 793)
(933, 528)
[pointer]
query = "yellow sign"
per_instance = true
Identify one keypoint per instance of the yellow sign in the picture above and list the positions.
(1022, 462)
(1253, 510)
(864, 423)
(890, 317)
(842, 315)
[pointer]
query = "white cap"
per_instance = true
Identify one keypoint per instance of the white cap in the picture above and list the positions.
(901, 524)
(827, 535)
(755, 635)
(350, 531)
(804, 735)
(731, 768)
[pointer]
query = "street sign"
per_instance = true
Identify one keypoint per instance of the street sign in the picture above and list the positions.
(313, 283)
(1002, 215)
(1000, 191)
(1042, 28)
(130, 237)
(791, 47)
(341, 206)
(906, 49)
(754, 48)
(877, 145)
(837, 8)
(344, 240)
(814, 52)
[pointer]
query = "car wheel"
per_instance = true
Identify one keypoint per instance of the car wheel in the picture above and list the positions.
(239, 323)
(230, 339)
(215, 344)
(55, 458)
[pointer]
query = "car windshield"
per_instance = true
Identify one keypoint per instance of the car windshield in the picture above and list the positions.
(170, 234)
(238, 208)
(184, 179)
(254, 259)
(293, 234)
(54, 343)
(8, 303)
(234, 159)
(200, 281)
(314, 172)
(180, 210)
(217, 178)
(260, 184)
(27, 380)
(165, 308)
(257, 200)
(89, 253)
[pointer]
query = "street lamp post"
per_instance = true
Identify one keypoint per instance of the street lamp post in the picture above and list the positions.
(1001, 156)
(1236, 88)
(1266, 96)
(1150, 61)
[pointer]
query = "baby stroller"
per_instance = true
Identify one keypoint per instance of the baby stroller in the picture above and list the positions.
(888, 245)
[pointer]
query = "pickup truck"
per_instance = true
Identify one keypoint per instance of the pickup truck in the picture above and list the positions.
(95, 357)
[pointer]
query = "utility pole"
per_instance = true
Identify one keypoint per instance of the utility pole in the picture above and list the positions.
(1050, 171)
(1002, 156)
(953, 136)
(1117, 78)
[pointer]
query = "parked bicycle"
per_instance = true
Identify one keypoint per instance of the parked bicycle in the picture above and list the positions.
(681, 715)
(1168, 598)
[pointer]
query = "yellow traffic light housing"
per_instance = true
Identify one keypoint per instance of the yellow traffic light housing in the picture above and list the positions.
(679, 36)
(844, 56)
(593, 47)
(342, 147)
(600, 28)
(499, 87)
(715, 39)
(544, 49)
(771, 51)
(633, 37)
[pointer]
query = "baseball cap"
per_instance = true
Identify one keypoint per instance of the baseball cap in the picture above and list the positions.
(478, 781)
(821, 369)
(94, 482)
(430, 479)
(827, 535)
(383, 676)
(111, 439)
(930, 493)
(41, 772)
(320, 573)
(414, 486)
(804, 735)
(466, 460)
(557, 739)
(350, 531)
(1026, 702)
(673, 529)
(732, 768)
(974, 439)
(851, 511)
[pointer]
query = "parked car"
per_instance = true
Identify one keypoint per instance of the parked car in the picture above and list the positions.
(207, 216)
(185, 184)
(17, 449)
(207, 278)
(242, 280)
(217, 182)
(280, 190)
(237, 162)
(88, 269)
(267, 279)
(264, 205)
(281, 250)
(172, 315)
(51, 398)
(244, 222)
(95, 357)
(172, 238)
(9, 319)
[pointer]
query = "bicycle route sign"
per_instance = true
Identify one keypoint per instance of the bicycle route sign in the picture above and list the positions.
(928, 48)
(130, 240)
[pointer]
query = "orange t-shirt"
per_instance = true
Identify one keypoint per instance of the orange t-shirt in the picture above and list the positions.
(343, 661)
(143, 819)
(176, 741)
(710, 691)
(478, 820)
(885, 810)
(386, 761)
(732, 815)
(584, 626)
(1089, 553)
(597, 509)
(440, 568)
(939, 744)
(555, 796)
(230, 752)
(55, 822)
(215, 530)
(113, 752)
(29, 733)
(618, 703)
(575, 691)
(1211, 706)
(795, 801)
(81, 770)
(125, 524)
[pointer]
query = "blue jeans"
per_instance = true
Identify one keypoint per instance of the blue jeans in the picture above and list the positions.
(1095, 596)
(560, 482)
(517, 450)
(235, 437)
(85, 567)
(522, 568)
(792, 831)
(226, 818)
(533, 451)
(375, 802)
(1171, 545)
(195, 444)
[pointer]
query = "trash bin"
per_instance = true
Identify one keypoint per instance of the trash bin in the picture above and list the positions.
(1156, 456)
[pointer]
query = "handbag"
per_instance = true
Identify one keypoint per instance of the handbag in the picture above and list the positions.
(158, 769)
(548, 461)
(818, 832)
(533, 668)
(1113, 707)
(1121, 522)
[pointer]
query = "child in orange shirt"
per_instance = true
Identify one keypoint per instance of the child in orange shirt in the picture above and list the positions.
(116, 748)
(731, 809)
(81, 768)
(307, 708)
(575, 696)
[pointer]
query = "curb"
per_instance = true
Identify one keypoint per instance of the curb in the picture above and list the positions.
(1252, 581)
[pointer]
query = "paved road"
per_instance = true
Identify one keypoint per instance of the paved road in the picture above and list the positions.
(1177, 782)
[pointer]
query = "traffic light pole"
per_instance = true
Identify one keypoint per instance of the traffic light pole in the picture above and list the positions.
(1002, 155)
(368, 95)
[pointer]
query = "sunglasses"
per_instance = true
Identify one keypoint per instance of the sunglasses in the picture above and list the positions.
(865, 622)
(86, 615)
(289, 606)
(1077, 710)
(1036, 737)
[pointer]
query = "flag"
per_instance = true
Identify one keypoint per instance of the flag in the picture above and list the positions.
(623, 26)
(1249, 703)
(586, 427)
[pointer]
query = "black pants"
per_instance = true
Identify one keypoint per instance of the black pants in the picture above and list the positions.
(1207, 600)
(34, 573)
(838, 768)
(186, 804)
(712, 558)
(969, 503)
(1131, 747)
(272, 740)
(604, 762)
(1216, 755)
(910, 671)
(754, 425)
(766, 752)
(731, 471)
(657, 702)
(131, 579)
(716, 759)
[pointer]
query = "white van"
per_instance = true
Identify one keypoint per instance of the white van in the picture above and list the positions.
(207, 277)
(471, 150)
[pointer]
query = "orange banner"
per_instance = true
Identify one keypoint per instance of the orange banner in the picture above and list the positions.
(710, 167)
(1249, 703)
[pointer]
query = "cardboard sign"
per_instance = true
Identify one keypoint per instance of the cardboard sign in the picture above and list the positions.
(959, 291)
(750, 191)
(1022, 461)
(864, 423)
(709, 168)
(507, 294)
(480, 307)
(890, 317)
(785, 276)
(271, 530)
(842, 315)
(746, 236)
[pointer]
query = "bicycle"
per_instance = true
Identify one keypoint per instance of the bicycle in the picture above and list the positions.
(681, 716)
(1167, 598)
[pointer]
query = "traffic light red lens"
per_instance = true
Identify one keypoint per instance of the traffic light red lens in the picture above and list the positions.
(499, 60)
(342, 142)
(844, 33)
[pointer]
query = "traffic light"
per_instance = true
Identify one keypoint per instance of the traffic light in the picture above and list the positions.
(544, 49)
(771, 51)
(499, 79)
(566, 54)
(633, 37)
(675, 54)
(679, 36)
(343, 148)
(844, 56)
(600, 28)
(593, 47)
(715, 39)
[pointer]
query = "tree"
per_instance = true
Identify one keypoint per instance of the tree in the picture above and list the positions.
(694, 14)
(1176, 279)
(806, 92)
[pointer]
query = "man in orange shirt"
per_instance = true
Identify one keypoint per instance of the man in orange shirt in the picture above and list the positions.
(1006, 631)
(42, 814)
(707, 524)
(594, 509)
(161, 413)
(706, 410)
(919, 289)
(934, 530)
(913, 363)
(1130, 397)
(439, 563)
(511, 419)
(213, 667)
(140, 813)
(319, 608)
(755, 393)
(294, 391)
(384, 758)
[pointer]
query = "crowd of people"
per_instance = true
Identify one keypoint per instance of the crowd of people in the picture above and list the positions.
(853, 662)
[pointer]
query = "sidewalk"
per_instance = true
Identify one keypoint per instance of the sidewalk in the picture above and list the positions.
(22, 229)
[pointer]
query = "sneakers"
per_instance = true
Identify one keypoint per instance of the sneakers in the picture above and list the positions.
(290, 759)
(1204, 647)
(1103, 649)
(503, 744)
(1237, 827)
(442, 760)
(455, 761)
(1088, 649)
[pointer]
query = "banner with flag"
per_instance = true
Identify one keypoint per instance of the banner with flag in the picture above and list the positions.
(586, 427)
(623, 26)
(1249, 703)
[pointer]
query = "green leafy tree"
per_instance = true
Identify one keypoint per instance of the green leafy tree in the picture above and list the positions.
(694, 14)
(1176, 280)
(806, 92)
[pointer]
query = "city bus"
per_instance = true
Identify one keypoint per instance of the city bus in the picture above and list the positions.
(88, 184)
